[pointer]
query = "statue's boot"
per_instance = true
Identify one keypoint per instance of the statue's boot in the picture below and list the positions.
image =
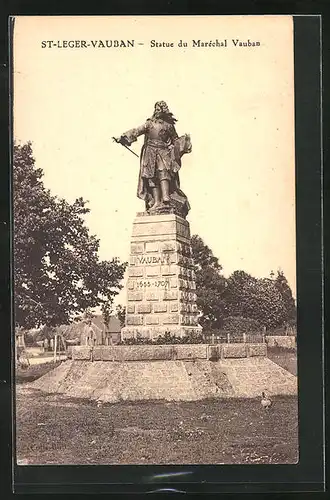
(157, 198)
(165, 187)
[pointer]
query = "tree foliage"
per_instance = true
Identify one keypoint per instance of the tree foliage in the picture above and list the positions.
(238, 287)
(121, 314)
(255, 298)
(240, 325)
(282, 285)
(241, 299)
(57, 271)
(210, 284)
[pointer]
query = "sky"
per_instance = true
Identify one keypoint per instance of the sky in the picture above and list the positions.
(237, 103)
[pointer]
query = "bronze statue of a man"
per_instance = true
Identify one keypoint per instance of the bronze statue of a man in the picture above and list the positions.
(160, 159)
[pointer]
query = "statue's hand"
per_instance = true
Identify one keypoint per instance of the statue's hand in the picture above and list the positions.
(123, 140)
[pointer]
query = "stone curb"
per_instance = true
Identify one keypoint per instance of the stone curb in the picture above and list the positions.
(167, 352)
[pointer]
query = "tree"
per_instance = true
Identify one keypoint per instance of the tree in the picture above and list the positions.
(255, 298)
(282, 285)
(106, 310)
(237, 293)
(263, 302)
(210, 284)
(57, 271)
(121, 314)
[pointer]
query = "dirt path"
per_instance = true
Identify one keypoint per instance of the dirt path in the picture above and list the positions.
(45, 359)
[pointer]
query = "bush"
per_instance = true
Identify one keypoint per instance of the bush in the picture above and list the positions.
(136, 341)
(166, 339)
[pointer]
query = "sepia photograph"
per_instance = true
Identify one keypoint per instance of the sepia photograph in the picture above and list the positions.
(154, 240)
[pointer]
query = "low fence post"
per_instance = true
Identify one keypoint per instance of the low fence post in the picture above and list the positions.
(228, 338)
(244, 338)
(55, 347)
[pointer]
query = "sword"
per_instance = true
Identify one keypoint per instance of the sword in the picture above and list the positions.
(118, 141)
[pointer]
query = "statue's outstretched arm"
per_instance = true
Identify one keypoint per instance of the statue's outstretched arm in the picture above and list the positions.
(132, 134)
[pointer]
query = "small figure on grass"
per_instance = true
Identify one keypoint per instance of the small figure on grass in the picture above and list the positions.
(266, 402)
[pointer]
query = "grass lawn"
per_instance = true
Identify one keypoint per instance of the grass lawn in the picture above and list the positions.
(53, 429)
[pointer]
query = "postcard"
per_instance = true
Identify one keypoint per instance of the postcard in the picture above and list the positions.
(155, 240)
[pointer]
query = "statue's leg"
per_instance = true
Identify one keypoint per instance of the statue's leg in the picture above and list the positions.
(165, 187)
(164, 179)
(155, 193)
(156, 196)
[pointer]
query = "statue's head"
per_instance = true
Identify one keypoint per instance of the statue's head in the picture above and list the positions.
(162, 111)
(161, 107)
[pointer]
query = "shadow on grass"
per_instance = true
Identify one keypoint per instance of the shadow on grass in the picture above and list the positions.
(25, 375)
(284, 357)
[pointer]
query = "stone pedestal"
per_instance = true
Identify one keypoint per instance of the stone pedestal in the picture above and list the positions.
(161, 288)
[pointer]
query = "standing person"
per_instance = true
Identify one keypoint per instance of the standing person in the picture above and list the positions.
(88, 332)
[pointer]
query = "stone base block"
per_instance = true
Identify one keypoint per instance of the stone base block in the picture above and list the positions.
(143, 353)
(257, 349)
(192, 351)
(82, 353)
(97, 353)
(161, 288)
(234, 351)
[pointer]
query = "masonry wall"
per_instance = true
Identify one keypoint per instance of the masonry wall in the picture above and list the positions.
(167, 352)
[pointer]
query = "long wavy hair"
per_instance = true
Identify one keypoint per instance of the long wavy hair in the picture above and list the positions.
(165, 113)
